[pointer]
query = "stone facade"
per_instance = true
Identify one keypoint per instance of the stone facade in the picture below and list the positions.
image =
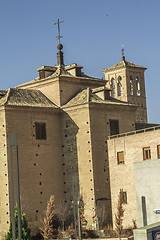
(78, 114)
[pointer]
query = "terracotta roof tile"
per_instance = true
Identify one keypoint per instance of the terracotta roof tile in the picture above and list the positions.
(24, 97)
(122, 64)
(86, 96)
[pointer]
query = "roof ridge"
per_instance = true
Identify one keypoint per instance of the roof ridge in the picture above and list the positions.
(88, 94)
(7, 96)
(48, 99)
(60, 71)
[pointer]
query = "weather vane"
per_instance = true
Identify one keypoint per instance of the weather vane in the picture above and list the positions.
(59, 36)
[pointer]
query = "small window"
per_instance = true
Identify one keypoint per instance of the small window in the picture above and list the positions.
(40, 129)
(158, 151)
(124, 197)
(120, 157)
(146, 153)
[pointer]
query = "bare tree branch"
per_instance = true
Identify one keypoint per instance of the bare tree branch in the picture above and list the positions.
(63, 211)
(101, 213)
(119, 215)
(47, 228)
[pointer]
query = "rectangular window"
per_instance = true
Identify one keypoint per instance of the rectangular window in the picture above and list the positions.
(40, 129)
(158, 151)
(120, 157)
(114, 127)
(124, 197)
(146, 153)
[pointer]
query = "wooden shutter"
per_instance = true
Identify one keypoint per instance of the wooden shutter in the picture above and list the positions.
(158, 151)
(120, 157)
(146, 153)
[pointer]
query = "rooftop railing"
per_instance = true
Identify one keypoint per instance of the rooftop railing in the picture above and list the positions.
(134, 132)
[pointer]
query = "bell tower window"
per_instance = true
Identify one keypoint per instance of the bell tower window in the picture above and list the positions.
(119, 86)
(138, 87)
(112, 86)
(131, 85)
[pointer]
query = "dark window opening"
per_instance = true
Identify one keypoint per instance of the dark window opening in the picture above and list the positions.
(40, 129)
(114, 127)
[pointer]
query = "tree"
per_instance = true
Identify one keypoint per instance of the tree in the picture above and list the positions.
(83, 221)
(47, 228)
(25, 230)
(62, 211)
(119, 215)
(101, 215)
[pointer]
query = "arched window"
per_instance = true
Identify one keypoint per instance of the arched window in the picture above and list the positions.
(113, 87)
(131, 85)
(138, 87)
(119, 86)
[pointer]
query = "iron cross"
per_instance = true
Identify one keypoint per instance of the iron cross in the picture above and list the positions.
(59, 36)
(122, 50)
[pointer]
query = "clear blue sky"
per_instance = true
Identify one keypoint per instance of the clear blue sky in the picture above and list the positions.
(93, 33)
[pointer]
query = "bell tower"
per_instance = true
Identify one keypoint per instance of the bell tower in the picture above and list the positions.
(126, 81)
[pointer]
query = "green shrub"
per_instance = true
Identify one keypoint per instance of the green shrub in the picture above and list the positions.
(25, 230)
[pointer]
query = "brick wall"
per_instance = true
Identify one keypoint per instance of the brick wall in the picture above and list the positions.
(40, 163)
(122, 175)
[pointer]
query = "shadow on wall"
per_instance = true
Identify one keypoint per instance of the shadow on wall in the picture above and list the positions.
(70, 157)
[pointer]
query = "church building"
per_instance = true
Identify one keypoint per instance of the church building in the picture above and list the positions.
(62, 120)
